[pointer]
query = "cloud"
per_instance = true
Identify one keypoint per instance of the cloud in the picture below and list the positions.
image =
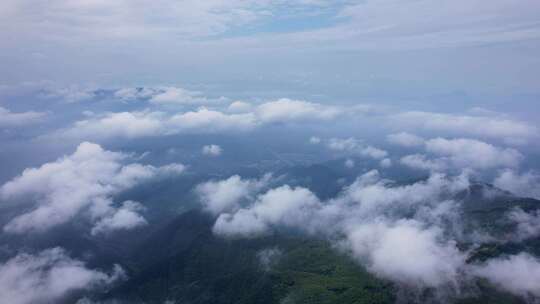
(212, 150)
(524, 185)
(203, 120)
(462, 153)
(473, 153)
(422, 259)
(419, 161)
(122, 124)
(405, 139)
(368, 220)
(510, 131)
(165, 95)
(365, 25)
(173, 95)
(460, 23)
(48, 276)
(287, 110)
(386, 163)
(372, 217)
(314, 140)
(269, 257)
(147, 124)
(70, 94)
(129, 94)
(11, 119)
(517, 274)
(355, 147)
(239, 107)
(527, 224)
(283, 206)
(209, 121)
(126, 20)
(81, 183)
(226, 195)
(123, 218)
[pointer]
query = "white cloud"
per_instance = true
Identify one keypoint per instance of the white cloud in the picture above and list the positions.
(347, 144)
(212, 150)
(179, 96)
(287, 110)
(171, 169)
(355, 147)
(367, 220)
(70, 94)
(269, 257)
(349, 163)
(419, 161)
(422, 259)
(284, 206)
(314, 140)
(365, 25)
(239, 107)
(386, 163)
(462, 153)
(81, 183)
(48, 276)
(203, 120)
(375, 195)
(527, 224)
(505, 129)
(11, 119)
(123, 124)
(380, 25)
(518, 274)
(226, 195)
(470, 153)
(123, 218)
(524, 185)
(124, 19)
(373, 152)
(128, 94)
(146, 123)
(405, 139)
(210, 121)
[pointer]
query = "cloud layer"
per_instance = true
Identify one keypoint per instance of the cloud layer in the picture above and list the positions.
(457, 153)
(408, 234)
(81, 183)
(49, 275)
(11, 119)
(202, 120)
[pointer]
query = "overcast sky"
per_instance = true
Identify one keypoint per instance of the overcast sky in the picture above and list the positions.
(416, 53)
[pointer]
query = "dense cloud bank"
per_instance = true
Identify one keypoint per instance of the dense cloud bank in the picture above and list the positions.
(408, 234)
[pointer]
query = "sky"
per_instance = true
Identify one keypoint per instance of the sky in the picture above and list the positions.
(127, 74)
(100, 97)
(333, 51)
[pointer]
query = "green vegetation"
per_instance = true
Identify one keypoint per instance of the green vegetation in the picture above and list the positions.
(185, 263)
(312, 272)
